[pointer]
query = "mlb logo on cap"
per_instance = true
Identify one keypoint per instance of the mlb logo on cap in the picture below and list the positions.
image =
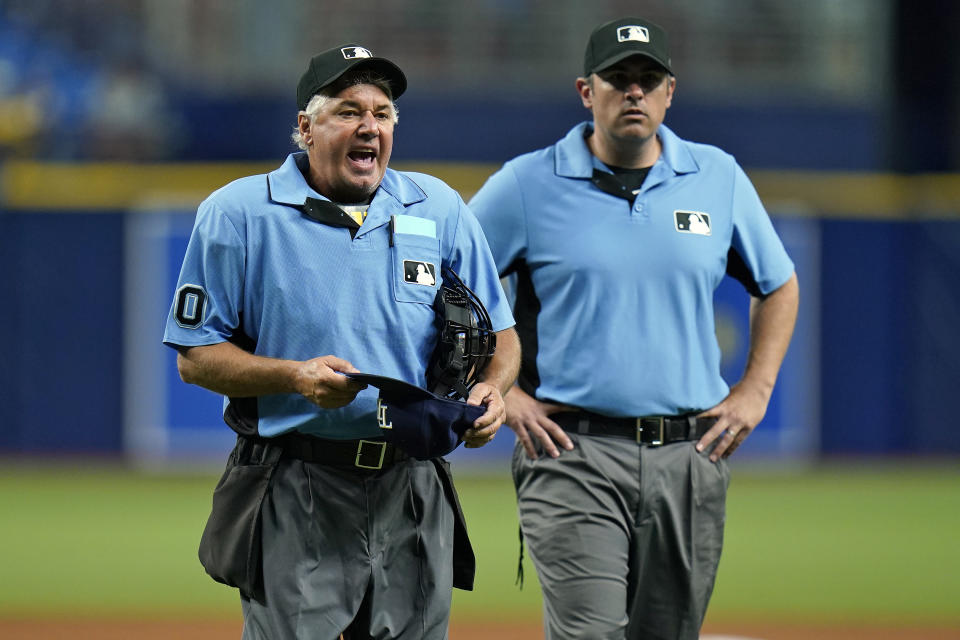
(351, 53)
(633, 32)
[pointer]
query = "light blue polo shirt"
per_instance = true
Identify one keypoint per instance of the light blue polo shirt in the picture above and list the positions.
(260, 273)
(615, 302)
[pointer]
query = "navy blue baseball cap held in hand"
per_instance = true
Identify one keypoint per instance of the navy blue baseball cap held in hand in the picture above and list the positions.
(421, 423)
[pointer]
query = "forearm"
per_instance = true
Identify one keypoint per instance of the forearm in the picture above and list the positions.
(772, 320)
(505, 364)
(226, 369)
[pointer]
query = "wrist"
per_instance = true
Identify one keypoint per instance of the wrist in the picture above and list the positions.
(292, 376)
(761, 388)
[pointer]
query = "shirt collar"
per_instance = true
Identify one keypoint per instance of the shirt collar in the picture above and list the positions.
(288, 186)
(574, 159)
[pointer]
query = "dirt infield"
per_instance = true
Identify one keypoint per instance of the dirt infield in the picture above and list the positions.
(225, 630)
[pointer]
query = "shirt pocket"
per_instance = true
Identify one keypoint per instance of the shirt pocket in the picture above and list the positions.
(416, 268)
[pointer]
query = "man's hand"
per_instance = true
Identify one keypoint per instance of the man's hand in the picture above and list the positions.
(497, 380)
(226, 369)
(527, 416)
(771, 325)
(737, 416)
(487, 425)
(321, 381)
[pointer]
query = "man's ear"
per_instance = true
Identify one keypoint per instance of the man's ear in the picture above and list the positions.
(585, 89)
(671, 86)
(303, 125)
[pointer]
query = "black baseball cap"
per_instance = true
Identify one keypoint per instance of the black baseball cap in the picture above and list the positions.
(618, 39)
(421, 423)
(326, 67)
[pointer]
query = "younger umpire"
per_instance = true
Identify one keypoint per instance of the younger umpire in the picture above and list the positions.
(290, 280)
(618, 234)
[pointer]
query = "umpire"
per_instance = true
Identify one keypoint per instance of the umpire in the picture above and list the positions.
(290, 280)
(618, 235)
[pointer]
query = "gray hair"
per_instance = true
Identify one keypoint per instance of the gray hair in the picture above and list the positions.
(320, 100)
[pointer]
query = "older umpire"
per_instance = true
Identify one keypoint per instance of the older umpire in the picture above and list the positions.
(291, 280)
(618, 235)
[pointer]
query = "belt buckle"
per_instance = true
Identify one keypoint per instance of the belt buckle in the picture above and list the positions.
(658, 422)
(383, 451)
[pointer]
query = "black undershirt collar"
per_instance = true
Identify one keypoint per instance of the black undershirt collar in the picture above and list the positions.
(622, 183)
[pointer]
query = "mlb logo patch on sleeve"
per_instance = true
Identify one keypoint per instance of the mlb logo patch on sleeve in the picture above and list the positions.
(417, 272)
(695, 222)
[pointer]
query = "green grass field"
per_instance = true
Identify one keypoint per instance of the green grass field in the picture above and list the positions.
(844, 543)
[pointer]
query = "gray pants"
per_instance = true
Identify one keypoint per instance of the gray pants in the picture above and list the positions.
(369, 555)
(625, 538)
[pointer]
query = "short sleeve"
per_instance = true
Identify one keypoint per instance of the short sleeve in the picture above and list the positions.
(755, 240)
(209, 295)
(498, 206)
(472, 261)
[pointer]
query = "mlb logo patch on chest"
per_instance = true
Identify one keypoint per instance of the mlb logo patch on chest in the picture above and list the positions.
(696, 222)
(418, 272)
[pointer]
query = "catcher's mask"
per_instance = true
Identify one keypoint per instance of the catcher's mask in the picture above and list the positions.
(466, 340)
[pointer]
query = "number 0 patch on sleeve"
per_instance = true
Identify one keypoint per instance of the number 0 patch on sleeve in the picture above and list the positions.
(190, 306)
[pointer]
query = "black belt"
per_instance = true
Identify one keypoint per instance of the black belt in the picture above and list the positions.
(649, 430)
(359, 455)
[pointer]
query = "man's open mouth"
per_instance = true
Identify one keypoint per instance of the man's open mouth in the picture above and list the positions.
(362, 157)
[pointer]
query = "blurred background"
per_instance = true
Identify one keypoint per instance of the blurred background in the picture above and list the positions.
(117, 117)
(853, 85)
